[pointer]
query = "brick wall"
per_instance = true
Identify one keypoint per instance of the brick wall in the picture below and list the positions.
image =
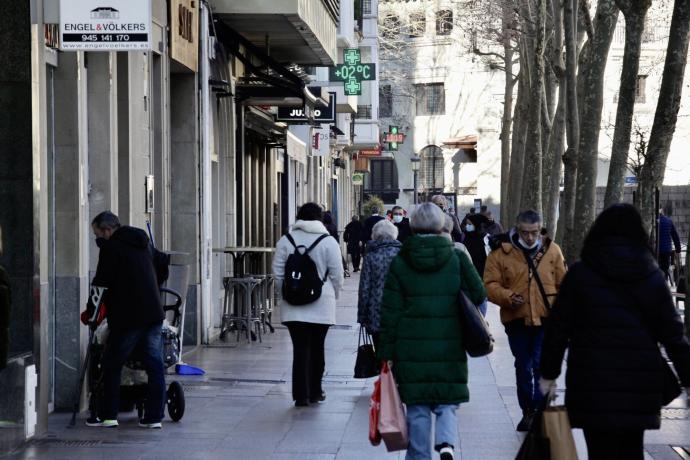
(677, 197)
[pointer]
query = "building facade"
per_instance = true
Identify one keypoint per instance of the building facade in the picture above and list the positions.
(182, 136)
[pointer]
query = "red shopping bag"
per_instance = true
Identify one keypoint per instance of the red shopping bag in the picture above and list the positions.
(392, 421)
(374, 412)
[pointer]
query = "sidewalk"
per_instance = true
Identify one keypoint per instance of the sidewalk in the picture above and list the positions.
(242, 409)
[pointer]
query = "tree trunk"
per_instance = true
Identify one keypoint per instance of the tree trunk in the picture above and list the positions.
(532, 185)
(666, 115)
(507, 120)
(591, 99)
(570, 22)
(517, 155)
(635, 12)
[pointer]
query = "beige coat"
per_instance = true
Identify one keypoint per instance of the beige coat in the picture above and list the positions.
(507, 273)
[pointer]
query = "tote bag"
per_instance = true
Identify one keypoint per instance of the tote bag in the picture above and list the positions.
(556, 427)
(392, 421)
(366, 365)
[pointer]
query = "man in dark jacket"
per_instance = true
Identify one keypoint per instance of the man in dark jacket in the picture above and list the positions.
(4, 313)
(353, 238)
(402, 223)
(134, 312)
(668, 239)
(369, 224)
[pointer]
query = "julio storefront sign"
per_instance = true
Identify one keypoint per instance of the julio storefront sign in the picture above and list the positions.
(301, 114)
(111, 25)
(184, 31)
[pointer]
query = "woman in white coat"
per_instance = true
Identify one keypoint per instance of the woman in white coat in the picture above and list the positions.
(308, 324)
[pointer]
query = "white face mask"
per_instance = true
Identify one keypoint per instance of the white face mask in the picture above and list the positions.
(397, 219)
(525, 245)
(469, 227)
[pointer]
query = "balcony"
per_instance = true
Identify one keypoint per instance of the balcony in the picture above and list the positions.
(295, 31)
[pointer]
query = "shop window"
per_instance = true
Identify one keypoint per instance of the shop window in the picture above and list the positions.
(382, 180)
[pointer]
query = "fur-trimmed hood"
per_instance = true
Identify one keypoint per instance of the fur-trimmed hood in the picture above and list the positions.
(310, 226)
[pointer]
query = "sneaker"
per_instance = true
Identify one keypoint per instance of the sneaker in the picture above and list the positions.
(319, 398)
(102, 423)
(526, 422)
(446, 453)
(145, 424)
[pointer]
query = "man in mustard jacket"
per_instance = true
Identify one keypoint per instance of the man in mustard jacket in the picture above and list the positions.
(512, 284)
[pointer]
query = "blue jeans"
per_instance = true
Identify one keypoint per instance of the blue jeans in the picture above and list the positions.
(120, 345)
(419, 429)
(525, 344)
(483, 307)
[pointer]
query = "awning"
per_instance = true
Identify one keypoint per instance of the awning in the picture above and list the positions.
(468, 141)
(296, 149)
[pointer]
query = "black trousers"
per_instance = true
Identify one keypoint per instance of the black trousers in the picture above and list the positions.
(356, 258)
(308, 361)
(615, 445)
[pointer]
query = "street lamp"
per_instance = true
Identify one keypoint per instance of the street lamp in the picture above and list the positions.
(414, 162)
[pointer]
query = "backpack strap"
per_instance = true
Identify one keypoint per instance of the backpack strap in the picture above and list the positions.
(291, 240)
(534, 273)
(315, 243)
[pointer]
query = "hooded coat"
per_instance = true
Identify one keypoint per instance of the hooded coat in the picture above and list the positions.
(326, 255)
(126, 268)
(612, 310)
(380, 254)
(420, 320)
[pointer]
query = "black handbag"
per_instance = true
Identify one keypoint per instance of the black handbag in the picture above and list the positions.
(366, 365)
(536, 446)
(476, 335)
(672, 387)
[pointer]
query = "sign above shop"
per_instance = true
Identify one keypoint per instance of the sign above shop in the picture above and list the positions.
(111, 25)
(320, 141)
(371, 152)
(357, 179)
(301, 114)
(353, 72)
(184, 43)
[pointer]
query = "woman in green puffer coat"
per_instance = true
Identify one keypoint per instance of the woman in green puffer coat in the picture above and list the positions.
(421, 332)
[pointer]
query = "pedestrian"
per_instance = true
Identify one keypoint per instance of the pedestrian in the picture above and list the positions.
(353, 240)
(308, 324)
(668, 239)
(330, 225)
(380, 252)
(420, 331)
(493, 228)
(369, 224)
(442, 202)
(476, 243)
(516, 288)
(402, 223)
(612, 311)
(389, 215)
(131, 270)
(447, 228)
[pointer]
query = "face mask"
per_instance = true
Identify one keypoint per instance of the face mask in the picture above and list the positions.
(525, 245)
(397, 219)
(469, 227)
(100, 242)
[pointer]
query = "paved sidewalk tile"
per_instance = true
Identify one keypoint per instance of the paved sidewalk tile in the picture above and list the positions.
(243, 409)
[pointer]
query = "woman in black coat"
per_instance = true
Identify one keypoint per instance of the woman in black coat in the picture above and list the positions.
(613, 310)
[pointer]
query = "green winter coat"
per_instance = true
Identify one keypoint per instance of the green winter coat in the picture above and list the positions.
(420, 322)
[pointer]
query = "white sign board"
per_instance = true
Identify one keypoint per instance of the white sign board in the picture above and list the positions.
(107, 25)
(320, 141)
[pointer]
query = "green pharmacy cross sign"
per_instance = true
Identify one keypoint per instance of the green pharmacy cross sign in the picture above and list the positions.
(393, 137)
(353, 72)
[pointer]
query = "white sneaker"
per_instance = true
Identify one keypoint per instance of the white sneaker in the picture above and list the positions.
(446, 453)
(101, 423)
(157, 425)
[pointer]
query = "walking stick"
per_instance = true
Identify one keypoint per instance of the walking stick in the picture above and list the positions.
(96, 297)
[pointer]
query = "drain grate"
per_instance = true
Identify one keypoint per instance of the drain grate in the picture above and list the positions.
(675, 414)
(259, 381)
(68, 443)
(215, 382)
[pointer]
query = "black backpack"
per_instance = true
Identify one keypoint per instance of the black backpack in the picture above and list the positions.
(302, 284)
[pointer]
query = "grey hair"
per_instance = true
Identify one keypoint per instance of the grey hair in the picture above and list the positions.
(439, 200)
(529, 217)
(427, 218)
(384, 229)
(106, 219)
(448, 224)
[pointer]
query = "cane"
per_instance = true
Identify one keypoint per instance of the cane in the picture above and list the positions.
(96, 297)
